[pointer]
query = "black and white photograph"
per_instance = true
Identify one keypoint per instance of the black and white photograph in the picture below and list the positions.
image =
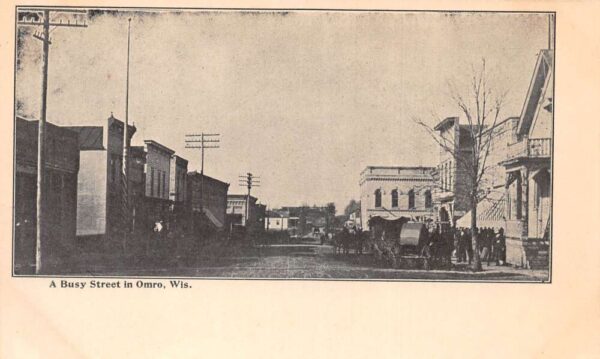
(287, 144)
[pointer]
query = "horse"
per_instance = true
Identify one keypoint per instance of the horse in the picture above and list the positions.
(342, 242)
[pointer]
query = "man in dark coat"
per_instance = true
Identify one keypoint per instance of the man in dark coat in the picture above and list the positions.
(500, 244)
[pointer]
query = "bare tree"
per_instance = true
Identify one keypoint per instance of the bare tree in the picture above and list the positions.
(481, 106)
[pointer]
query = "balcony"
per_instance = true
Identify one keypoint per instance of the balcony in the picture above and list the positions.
(530, 148)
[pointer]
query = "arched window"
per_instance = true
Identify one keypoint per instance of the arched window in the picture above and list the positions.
(377, 198)
(428, 202)
(395, 198)
(411, 199)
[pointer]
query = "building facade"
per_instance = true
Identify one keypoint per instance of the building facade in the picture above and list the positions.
(60, 188)
(178, 191)
(178, 179)
(157, 172)
(276, 221)
(451, 194)
(528, 166)
(137, 188)
(100, 194)
(237, 213)
(518, 184)
(211, 200)
(394, 192)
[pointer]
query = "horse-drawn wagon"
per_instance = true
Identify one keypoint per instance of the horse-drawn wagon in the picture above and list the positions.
(397, 240)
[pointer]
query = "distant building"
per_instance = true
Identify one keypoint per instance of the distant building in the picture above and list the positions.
(212, 202)
(305, 219)
(100, 199)
(236, 211)
(60, 188)
(275, 221)
(394, 192)
(158, 173)
(280, 220)
(355, 218)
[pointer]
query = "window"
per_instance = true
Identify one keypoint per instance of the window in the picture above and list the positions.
(151, 181)
(411, 199)
(428, 202)
(377, 198)
(165, 185)
(157, 184)
(395, 198)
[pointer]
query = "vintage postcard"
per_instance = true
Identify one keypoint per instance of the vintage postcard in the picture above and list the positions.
(286, 144)
(157, 149)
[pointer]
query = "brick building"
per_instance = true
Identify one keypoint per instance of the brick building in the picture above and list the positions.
(60, 188)
(157, 172)
(393, 192)
(214, 198)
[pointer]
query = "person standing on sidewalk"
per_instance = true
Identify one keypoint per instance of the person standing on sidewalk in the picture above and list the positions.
(501, 241)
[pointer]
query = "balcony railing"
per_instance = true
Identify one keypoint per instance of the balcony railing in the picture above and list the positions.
(530, 147)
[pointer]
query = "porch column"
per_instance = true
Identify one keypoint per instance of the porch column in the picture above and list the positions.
(525, 202)
(507, 208)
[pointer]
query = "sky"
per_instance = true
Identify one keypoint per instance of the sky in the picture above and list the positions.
(304, 99)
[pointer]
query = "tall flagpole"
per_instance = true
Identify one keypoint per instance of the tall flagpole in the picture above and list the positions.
(126, 150)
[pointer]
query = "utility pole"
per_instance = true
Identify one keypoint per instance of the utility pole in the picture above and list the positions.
(125, 176)
(201, 141)
(248, 181)
(31, 17)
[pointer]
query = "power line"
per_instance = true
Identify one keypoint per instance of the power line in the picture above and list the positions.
(199, 141)
(248, 181)
(45, 23)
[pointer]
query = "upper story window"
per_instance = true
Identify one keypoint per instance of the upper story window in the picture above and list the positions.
(395, 198)
(377, 198)
(411, 199)
(159, 183)
(428, 201)
(151, 181)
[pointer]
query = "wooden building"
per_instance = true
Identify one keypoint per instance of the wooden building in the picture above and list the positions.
(60, 188)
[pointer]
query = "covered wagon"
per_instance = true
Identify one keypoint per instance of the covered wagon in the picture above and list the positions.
(397, 240)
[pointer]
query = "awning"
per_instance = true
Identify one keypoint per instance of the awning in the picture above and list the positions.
(212, 218)
(490, 212)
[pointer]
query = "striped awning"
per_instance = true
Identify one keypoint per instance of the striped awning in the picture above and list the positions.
(490, 212)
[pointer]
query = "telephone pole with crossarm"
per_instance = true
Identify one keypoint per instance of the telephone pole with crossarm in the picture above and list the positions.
(41, 17)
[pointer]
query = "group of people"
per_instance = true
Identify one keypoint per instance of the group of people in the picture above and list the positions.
(443, 244)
